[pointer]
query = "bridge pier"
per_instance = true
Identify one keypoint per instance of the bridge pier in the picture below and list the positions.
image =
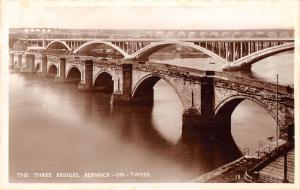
(204, 125)
(62, 71)
(87, 86)
(17, 67)
(125, 96)
(29, 66)
(44, 66)
(11, 61)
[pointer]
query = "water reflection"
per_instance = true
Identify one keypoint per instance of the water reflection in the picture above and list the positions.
(56, 128)
(250, 123)
(216, 152)
(167, 105)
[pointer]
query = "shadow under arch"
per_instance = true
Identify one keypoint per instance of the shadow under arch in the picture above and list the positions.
(224, 110)
(143, 92)
(52, 71)
(73, 75)
(37, 67)
(103, 83)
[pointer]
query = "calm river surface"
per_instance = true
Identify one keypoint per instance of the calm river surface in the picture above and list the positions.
(55, 128)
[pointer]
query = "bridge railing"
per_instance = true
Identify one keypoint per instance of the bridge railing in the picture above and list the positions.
(249, 57)
(260, 84)
(138, 39)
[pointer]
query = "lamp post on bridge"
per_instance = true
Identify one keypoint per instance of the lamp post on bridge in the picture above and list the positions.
(277, 137)
(26, 31)
(43, 33)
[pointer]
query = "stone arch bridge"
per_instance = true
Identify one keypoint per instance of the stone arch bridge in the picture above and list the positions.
(208, 97)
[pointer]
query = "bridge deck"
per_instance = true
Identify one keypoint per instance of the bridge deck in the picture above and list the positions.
(225, 76)
(162, 39)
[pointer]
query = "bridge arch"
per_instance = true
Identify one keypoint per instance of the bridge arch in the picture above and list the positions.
(149, 34)
(103, 82)
(272, 34)
(152, 48)
(214, 34)
(58, 44)
(203, 34)
(250, 59)
(159, 34)
(225, 34)
(37, 66)
(181, 34)
(237, 35)
(260, 34)
(248, 34)
(94, 42)
(143, 91)
(226, 107)
(192, 34)
(73, 74)
(284, 34)
(170, 34)
(52, 70)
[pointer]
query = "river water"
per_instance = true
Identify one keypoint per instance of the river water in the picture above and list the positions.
(54, 128)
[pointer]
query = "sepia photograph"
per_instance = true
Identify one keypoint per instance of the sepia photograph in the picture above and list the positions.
(158, 92)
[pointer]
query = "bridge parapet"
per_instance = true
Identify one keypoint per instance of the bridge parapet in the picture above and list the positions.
(101, 61)
(194, 73)
(282, 90)
(57, 52)
(53, 59)
(189, 73)
(75, 59)
(250, 90)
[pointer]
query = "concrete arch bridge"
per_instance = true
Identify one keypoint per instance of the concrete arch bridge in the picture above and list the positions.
(232, 53)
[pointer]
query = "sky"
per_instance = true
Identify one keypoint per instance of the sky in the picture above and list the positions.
(81, 14)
